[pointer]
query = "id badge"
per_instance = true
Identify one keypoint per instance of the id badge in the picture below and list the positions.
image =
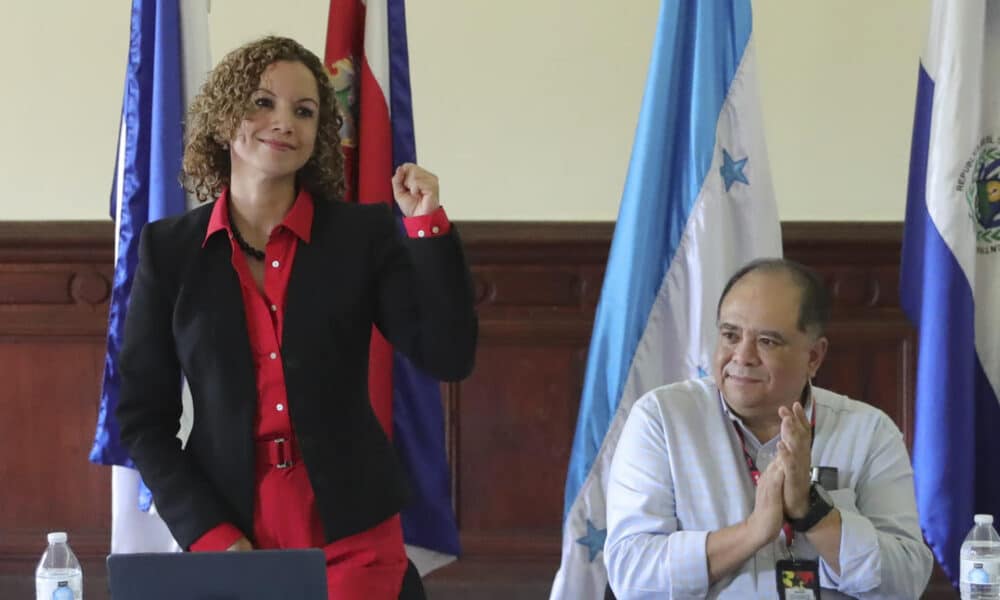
(797, 579)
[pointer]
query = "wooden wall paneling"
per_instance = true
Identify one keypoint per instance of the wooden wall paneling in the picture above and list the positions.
(55, 279)
(872, 345)
(871, 358)
(537, 290)
(509, 427)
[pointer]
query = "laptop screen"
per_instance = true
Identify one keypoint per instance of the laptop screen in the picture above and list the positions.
(257, 575)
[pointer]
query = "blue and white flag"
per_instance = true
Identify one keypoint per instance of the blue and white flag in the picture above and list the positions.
(950, 273)
(167, 61)
(697, 205)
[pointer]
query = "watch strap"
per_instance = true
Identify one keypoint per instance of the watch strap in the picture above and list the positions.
(819, 507)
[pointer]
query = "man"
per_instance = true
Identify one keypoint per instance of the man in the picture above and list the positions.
(685, 518)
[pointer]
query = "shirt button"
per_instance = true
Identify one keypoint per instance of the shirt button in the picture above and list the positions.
(275, 264)
(274, 308)
(421, 233)
(273, 355)
(280, 407)
(435, 229)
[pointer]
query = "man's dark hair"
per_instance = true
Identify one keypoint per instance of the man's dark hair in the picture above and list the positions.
(814, 306)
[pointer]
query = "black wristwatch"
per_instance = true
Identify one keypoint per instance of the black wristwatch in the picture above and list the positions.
(820, 505)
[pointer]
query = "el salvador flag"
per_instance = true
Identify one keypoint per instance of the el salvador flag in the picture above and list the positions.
(167, 61)
(697, 205)
(950, 273)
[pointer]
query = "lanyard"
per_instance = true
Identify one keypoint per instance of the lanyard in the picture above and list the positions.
(786, 528)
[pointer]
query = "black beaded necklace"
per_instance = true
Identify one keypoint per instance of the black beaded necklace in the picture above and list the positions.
(242, 243)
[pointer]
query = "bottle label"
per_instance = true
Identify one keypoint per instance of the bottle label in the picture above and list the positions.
(59, 589)
(980, 570)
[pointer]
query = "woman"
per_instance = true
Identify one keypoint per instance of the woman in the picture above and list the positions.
(264, 300)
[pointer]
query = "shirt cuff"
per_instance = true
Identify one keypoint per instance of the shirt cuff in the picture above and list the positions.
(430, 225)
(217, 539)
(687, 555)
(860, 558)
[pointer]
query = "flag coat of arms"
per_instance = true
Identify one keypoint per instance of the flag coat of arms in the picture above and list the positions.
(950, 273)
(368, 61)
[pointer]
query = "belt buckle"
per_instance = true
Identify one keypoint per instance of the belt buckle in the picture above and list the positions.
(284, 453)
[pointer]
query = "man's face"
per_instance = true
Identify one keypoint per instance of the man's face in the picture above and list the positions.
(762, 359)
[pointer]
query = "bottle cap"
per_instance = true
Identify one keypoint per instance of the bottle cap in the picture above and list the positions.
(59, 537)
(983, 519)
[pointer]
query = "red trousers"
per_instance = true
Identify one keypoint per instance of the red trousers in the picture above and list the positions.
(366, 566)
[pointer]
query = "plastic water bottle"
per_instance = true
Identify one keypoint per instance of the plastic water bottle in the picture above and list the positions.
(980, 571)
(59, 576)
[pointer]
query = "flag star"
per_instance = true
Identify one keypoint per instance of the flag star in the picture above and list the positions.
(732, 170)
(594, 540)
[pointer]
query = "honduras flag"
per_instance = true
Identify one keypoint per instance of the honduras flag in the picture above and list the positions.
(367, 57)
(167, 61)
(950, 274)
(697, 205)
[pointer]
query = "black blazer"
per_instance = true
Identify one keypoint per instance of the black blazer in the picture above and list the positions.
(186, 316)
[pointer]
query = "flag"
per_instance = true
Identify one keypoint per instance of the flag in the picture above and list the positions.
(697, 205)
(167, 60)
(366, 55)
(950, 273)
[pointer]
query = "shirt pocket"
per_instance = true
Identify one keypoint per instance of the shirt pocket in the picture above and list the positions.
(844, 499)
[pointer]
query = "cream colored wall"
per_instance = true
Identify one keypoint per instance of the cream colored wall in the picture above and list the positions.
(838, 85)
(525, 108)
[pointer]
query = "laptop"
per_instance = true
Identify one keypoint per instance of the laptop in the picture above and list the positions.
(256, 575)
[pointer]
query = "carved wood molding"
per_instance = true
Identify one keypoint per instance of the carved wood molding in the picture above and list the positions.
(508, 427)
(57, 241)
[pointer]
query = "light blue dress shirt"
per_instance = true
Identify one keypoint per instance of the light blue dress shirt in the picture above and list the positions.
(679, 473)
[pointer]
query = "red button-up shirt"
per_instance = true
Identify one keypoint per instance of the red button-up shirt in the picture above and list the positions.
(291, 520)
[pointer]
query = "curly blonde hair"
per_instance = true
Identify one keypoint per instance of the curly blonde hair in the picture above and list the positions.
(224, 102)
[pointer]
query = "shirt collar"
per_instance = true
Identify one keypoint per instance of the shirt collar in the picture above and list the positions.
(298, 220)
(219, 219)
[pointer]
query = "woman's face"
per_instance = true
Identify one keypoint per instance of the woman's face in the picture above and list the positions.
(278, 135)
